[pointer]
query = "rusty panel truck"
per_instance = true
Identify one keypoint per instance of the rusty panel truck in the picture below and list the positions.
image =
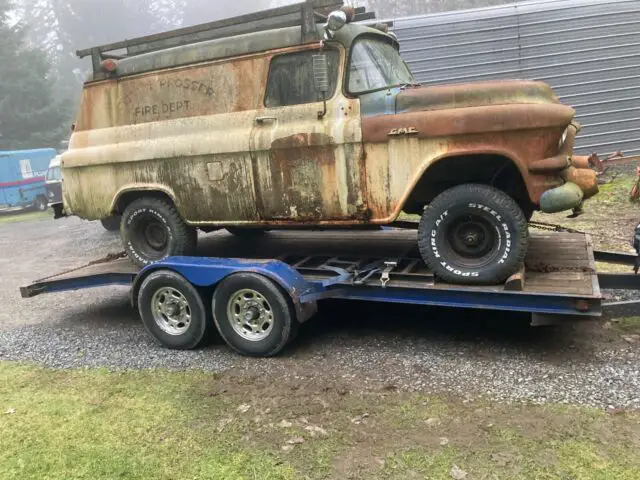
(300, 117)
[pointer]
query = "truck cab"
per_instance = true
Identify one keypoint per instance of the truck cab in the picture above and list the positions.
(54, 182)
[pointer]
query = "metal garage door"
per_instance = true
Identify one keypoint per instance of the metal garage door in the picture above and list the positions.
(587, 50)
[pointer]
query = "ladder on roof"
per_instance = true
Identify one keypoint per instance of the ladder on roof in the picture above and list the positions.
(304, 14)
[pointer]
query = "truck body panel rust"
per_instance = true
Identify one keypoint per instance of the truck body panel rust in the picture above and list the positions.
(202, 135)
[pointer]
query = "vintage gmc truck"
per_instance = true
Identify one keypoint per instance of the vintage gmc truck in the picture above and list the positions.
(259, 122)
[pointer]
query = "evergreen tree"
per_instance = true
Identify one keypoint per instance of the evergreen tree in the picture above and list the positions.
(30, 115)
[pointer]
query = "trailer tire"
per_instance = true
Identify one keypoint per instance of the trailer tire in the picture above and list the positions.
(112, 223)
(152, 230)
(473, 234)
(254, 316)
(172, 311)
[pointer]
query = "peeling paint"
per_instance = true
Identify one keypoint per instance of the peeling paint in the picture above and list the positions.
(202, 135)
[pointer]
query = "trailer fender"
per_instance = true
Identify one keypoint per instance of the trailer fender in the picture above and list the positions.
(206, 272)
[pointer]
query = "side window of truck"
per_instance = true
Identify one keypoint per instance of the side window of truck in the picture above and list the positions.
(291, 78)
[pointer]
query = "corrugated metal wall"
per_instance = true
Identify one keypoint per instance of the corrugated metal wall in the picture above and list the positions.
(587, 50)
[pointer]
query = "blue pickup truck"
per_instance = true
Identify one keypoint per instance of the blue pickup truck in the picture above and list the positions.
(23, 178)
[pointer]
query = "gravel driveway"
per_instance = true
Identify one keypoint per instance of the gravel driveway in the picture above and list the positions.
(373, 347)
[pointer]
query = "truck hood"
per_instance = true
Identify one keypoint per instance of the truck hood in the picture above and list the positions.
(479, 94)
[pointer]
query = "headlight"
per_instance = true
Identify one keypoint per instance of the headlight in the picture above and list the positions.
(335, 21)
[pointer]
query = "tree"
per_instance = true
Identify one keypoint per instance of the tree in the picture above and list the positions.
(61, 27)
(30, 114)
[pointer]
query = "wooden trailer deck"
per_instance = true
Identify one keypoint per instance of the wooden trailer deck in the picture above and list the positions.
(556, 264)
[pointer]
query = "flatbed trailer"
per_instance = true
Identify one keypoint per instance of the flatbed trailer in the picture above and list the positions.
(256, 300)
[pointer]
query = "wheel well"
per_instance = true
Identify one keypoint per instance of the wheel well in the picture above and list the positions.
(206, 292)
(127, 197)
(494, 170)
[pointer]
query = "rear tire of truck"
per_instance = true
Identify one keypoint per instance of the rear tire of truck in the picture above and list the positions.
(172, 311)
(111, 224)
(152, 230)
(41, 204)
(473, 234)
(254, 316)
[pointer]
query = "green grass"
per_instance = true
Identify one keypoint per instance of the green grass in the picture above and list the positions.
(24, 216)
(96, 424)
(628, 325)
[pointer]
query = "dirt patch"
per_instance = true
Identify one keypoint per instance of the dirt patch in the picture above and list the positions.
(381, 432)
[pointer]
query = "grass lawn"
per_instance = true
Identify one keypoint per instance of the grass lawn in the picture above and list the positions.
(95, 424)
(24, 216)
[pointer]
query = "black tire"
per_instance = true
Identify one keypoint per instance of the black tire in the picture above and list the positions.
(246, 232)
(111, 224)
(166, 327)
(40, 204)
(270, 298)
(473, 234)
(152, 230)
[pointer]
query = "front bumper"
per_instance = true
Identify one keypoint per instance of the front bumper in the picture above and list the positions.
(580, 182)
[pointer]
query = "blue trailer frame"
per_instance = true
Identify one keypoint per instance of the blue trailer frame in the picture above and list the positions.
(308, 281)
(209, 271)
(22, 177)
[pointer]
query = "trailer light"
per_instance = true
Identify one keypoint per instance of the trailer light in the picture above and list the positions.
(109, 65)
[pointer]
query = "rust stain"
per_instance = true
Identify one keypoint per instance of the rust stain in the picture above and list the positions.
(581, 161)
(525, 133)
(464, 95)
(221, 87)
(550, 165)
(466, 121)
(165, 128)
(303, 177)
(585, 178)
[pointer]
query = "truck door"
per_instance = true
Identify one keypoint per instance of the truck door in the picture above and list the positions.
(307, 165)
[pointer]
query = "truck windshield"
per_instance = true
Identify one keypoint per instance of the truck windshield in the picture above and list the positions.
(376, 64)
(53, 173)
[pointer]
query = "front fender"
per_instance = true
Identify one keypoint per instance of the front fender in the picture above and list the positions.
(452, 154)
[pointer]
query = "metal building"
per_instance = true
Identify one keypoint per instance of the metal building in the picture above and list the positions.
(587, 50)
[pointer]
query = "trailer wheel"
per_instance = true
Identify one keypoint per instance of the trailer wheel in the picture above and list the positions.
(152, 230)
(253, 315)
(473, 234)
(172, 310)
(111, 224)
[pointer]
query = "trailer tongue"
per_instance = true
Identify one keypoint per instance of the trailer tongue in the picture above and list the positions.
(258, 301)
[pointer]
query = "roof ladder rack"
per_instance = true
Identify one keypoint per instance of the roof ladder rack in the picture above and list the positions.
(304, 14)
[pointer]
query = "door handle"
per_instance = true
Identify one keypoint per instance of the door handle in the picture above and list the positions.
(262, 120)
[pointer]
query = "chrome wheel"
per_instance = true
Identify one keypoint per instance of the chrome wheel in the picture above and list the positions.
(171, 311)
(250, 314)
